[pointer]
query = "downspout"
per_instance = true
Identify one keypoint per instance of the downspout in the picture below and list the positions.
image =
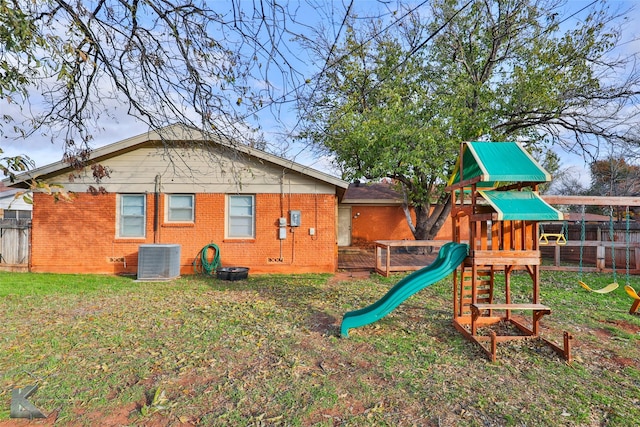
(282, 208)
(293, 234)
(156, 209)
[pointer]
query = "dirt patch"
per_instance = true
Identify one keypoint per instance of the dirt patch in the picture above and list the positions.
(50, 421)
(624, 362)
(346, 276)
(625, 326)
(321, 322)
(602, 333)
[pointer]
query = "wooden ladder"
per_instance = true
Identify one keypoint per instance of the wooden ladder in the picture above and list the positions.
(484, 289)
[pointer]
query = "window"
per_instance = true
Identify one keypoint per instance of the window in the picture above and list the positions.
(241, 217)
(16, 214)
(180, 208)
(132, 215)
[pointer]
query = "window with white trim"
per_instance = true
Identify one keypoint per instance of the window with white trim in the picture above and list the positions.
(16, 214)
(180, 208)
(133, 217)
(241, 216)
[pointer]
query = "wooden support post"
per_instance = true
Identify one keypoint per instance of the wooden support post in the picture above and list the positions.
(507, 288)
(567, 346)
(456, 303)
(494, 346)
(388, 266)
(537, 315)
(536, 283)
(600, 257)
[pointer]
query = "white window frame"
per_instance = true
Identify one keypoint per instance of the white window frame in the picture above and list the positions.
(122, 216)
(17, 214)
(169, 209)
(231, 216)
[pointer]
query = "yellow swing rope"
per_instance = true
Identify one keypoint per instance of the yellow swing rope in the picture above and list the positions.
(627, 287)
(611, 286)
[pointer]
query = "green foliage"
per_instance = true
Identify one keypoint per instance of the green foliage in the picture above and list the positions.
(14, 165)
(398, 103)
(19, 41)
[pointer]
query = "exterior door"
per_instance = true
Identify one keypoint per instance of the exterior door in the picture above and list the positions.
(344, 226)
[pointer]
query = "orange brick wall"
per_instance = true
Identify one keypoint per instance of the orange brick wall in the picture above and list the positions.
(80, 237)
(371, 223)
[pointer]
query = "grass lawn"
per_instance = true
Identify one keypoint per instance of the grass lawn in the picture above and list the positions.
(265, 351)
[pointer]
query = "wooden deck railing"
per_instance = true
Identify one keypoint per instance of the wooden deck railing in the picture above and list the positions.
(384, 251)
(563, 257)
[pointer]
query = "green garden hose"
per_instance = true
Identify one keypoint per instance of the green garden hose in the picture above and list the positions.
(202, 265)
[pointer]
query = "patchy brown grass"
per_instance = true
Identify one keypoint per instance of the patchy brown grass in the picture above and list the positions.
(266, 351)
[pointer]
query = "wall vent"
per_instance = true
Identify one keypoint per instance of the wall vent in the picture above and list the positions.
(158, 262)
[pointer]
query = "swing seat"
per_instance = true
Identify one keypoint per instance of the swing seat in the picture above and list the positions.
(610, 287)
(633, 294)
(560, 238)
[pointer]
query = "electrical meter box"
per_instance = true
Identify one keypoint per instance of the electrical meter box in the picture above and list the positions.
(294, 218)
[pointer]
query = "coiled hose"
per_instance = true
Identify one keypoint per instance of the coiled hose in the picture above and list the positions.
(201, 263)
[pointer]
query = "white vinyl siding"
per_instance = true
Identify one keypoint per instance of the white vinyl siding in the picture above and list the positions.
(135, 172)
(132, 215)
(241, 216)
(180, 208)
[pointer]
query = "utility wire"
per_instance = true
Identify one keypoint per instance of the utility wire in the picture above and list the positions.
(372, 37)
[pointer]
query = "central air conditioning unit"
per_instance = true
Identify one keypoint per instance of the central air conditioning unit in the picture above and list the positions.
(158, 262)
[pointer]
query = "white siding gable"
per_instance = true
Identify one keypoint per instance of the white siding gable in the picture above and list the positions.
(193, 170)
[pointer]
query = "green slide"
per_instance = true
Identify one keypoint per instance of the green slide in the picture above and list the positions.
(449, 258)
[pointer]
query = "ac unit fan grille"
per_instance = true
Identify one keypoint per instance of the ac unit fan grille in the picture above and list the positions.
(158, 262)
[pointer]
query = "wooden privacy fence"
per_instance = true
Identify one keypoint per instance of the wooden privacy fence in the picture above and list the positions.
(14, 244)
(599, 252)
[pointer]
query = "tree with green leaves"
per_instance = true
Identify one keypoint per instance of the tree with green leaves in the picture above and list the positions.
(399, 99)
(18, 62)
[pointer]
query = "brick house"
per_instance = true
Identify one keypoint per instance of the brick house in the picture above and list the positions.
(373, 211)
(179, 188)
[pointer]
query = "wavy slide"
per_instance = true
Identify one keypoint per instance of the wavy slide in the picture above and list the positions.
(449, 257)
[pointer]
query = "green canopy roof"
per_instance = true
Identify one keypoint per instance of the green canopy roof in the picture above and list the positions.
(497, 162)
(521, 205)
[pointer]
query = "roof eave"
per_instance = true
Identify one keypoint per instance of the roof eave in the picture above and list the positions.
(175, 133)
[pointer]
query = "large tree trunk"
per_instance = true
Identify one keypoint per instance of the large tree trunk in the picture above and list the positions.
(429, 218)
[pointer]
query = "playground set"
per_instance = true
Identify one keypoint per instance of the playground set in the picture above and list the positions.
(561, 239)
(494, 196)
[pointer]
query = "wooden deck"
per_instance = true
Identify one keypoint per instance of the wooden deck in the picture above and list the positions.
(358, 259)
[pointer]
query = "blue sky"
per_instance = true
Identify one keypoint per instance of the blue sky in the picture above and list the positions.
(42, 151)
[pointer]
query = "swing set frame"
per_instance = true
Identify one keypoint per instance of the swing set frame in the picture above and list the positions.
(611, 202)
(603, 248)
